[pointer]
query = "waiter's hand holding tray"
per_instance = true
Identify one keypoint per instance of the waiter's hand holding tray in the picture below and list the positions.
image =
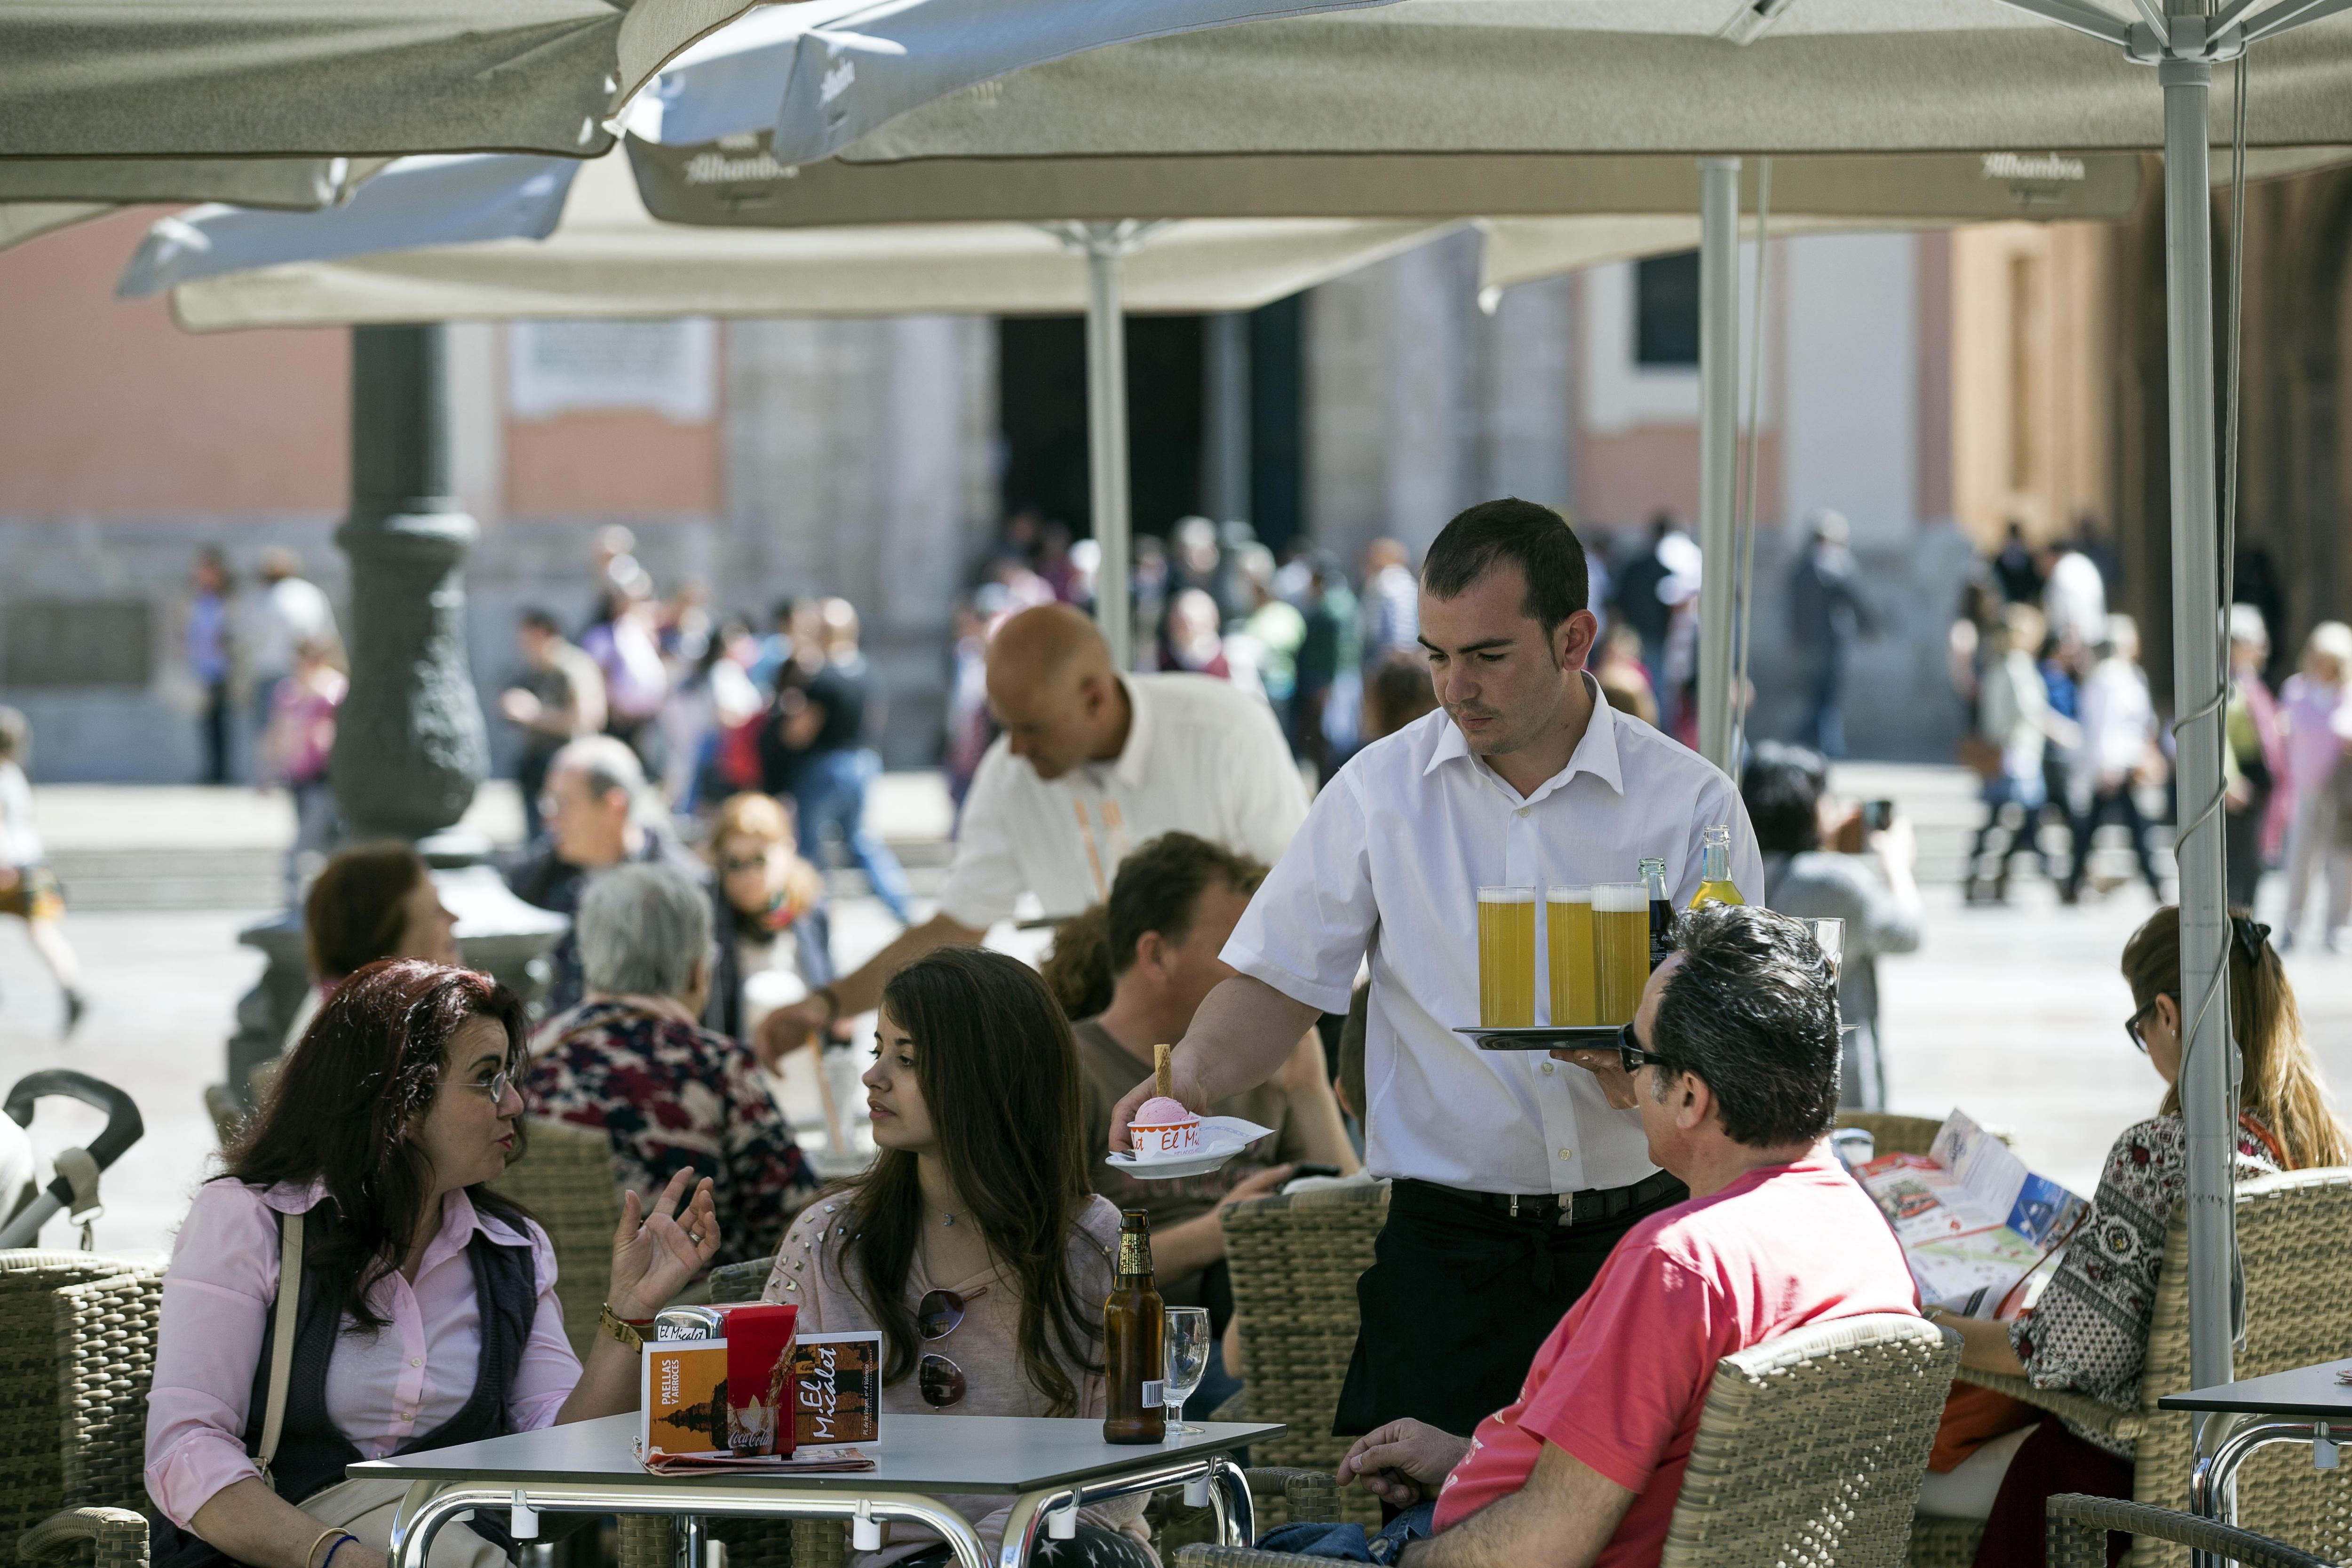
(1170, 1142)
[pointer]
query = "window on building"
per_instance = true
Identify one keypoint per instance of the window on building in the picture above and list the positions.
(1665, 311)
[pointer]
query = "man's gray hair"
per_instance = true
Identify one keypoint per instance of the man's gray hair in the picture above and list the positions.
(643, 927)
(605, 763)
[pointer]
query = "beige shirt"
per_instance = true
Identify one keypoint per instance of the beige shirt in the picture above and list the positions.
(812, 1274)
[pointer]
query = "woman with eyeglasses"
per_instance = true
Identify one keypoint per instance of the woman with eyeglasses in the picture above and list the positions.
(973, 1242)
(423, 1309)
(2089, 1330)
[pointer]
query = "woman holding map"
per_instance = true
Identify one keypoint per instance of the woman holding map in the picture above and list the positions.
(2089, 1330)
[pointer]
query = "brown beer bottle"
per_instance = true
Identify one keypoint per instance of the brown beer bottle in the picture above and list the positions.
(1134, 1328)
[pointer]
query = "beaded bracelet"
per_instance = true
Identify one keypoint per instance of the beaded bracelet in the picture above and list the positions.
(341, 1542)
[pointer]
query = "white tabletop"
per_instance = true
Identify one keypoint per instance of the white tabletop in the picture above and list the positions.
(917, 1453)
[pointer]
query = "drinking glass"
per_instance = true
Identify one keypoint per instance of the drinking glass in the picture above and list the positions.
(1506, 957)
(1621, 929)
(1829, 935)
(1187, 1362)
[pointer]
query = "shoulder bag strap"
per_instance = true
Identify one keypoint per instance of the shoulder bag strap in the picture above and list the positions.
(281, 1350)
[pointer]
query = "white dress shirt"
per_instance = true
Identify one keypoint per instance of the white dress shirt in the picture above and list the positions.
(1201, 755)
(1390, 862)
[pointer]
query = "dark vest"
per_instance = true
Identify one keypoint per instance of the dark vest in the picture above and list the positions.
(312, 1454)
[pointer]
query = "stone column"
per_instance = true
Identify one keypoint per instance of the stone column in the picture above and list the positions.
(410, 744)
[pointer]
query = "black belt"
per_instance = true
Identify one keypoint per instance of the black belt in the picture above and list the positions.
(1570, 1209)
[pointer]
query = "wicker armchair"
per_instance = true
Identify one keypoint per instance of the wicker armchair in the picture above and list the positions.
(1295, 1262)
(76, 1339)
(2298, 1311)
(1810, 1451)
(565, 1179)
(2079, 1526)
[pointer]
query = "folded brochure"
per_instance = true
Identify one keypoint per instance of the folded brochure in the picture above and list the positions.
(806, 1461)
(1972, 1220)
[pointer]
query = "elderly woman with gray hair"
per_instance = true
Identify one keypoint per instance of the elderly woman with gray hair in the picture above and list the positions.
(671, 1095)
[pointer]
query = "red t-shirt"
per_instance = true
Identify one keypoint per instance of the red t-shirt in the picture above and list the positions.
(1621, 1383)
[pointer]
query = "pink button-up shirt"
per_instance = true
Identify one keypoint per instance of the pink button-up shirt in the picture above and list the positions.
(381, 1389)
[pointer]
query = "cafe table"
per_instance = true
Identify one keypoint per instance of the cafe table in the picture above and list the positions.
(2308, 1404)
(1044, 1466)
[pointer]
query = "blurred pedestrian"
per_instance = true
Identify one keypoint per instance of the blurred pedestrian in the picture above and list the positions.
(1798, 822)
(710, 702)
(1194, 559)
(368, 901)
(614, 558)
(2120, 755)
(29, 890)
(2014, 570)
(1827, 614)
(296, 748)
(1396, 693)
(1391, 601)
(212, 653)
(2074, 594)
(1196, 643)
(2256, 756)
(1637, 602)
(1625, 680)
(969, 727)
(2015, 725)
(1330, 657)
(1057, 566)
(623, 641)
(558, 698)
(840, 764)
(599, 815)
(1276, 630)
(288, 610)
(2317, 705)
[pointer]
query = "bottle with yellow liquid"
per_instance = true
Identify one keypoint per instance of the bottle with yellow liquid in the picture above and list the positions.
(1714, 884)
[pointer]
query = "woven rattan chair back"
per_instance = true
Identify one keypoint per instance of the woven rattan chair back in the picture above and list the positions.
(2295, 1232)
(104, 1332)
(2079, 1526)
(565, 1179)
(1295, 1262)
(1811, 1447)
(31, 1375)
(1893, 1134)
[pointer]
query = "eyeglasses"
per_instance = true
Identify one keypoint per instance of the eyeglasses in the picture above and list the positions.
(937, 1315)
(734, 864)
(1634, 1055)
(496, 1087)
(2137, 1025)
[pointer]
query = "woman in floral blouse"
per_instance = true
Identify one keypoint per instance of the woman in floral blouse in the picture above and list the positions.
(2089, 1330)
(672, 1094)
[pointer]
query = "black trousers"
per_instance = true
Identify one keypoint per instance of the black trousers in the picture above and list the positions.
(1458, 1301)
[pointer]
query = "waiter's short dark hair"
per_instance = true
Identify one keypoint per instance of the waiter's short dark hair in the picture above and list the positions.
(1535, 539)
(1753, 1010)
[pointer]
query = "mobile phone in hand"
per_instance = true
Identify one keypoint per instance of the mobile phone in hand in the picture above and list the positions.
(1877, 816)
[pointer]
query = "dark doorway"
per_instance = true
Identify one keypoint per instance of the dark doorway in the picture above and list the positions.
(1278, 422)
(1042, 392)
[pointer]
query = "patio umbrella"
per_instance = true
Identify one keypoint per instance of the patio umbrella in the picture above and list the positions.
(1776, 76)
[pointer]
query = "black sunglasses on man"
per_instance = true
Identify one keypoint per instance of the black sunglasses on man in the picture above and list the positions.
(1634, 1055)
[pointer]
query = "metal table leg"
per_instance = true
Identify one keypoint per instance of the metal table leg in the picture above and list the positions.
(2212, 1478)
(420, 1518)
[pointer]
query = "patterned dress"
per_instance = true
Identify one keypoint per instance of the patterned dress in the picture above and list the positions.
(2089, 1330)
(674, 1096)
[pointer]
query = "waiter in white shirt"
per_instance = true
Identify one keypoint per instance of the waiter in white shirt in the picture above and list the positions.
(1513, 1177)
(1092, 763)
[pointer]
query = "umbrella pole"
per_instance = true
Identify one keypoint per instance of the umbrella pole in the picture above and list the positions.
(1107, 464)
(2208, 1064)
(1718, 433)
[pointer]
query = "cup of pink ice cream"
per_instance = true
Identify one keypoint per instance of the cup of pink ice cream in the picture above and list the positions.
(1164, 1130)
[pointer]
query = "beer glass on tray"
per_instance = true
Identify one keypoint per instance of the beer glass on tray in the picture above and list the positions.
(1506, 958)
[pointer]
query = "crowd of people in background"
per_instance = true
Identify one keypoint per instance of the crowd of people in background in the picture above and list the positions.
(2065, 734)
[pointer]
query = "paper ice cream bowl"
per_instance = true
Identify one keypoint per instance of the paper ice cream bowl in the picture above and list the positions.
(1165, 1142)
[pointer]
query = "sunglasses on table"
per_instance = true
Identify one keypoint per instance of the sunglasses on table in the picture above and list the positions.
(937, 1315)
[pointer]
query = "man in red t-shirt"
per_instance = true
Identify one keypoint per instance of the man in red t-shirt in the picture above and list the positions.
(1734, 1064)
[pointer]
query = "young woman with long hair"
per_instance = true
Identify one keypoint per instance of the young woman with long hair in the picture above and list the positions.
(973, 1243)
(2089, 1330)
(425, 1311)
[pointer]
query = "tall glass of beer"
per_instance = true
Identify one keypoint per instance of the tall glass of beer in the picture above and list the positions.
(1506, 958)
(1620, 940)
(1568, 929)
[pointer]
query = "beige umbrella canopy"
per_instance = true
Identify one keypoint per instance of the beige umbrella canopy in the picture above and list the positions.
(608, 256)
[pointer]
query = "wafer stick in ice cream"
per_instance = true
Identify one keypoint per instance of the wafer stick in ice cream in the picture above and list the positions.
(1163, 1071)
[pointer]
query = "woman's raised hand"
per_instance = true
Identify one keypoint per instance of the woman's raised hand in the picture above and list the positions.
(654, 1257)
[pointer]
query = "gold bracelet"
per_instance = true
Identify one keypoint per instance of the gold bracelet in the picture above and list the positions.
(324, 1536)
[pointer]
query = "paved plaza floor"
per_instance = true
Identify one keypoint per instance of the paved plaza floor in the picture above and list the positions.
(2013, 1013)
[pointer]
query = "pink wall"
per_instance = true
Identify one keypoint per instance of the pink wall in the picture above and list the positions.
(630, 464)
(107, 409)
(1624, 476)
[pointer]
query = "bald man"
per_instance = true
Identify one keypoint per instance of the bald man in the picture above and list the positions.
(1092, 763)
